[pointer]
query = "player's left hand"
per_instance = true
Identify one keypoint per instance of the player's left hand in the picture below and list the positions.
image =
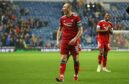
(72, 42)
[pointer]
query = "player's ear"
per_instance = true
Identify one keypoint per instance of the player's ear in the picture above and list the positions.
(127, 9)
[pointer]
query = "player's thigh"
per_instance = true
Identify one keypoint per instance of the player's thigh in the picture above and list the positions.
(74, 51)
(101, 47)
(107, 47)
(64, 48)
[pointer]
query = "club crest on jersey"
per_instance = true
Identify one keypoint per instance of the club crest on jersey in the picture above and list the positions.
(103, 25)
(71, 20)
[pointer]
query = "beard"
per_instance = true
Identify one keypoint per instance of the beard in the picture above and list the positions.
(66, 12)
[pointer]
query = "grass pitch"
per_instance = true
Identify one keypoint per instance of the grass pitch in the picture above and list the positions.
(43, 68)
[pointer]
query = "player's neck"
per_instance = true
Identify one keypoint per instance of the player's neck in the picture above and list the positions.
(106, 20)
(69, 14)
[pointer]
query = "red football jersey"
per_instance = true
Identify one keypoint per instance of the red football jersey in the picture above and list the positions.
(69, 26)
(103, 25)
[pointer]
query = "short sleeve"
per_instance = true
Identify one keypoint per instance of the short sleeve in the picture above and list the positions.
(60, 22)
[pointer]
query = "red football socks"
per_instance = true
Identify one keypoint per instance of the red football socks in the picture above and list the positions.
(99, 59)
(62, 69)
(104, 61)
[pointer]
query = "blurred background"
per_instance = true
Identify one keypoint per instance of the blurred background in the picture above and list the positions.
(33, 24)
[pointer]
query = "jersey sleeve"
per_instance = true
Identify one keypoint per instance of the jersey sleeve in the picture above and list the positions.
(99, 25)
(60, 22)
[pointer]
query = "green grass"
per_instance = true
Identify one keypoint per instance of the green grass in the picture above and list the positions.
(43, 68)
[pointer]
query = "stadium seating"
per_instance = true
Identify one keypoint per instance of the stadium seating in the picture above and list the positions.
(50, 12)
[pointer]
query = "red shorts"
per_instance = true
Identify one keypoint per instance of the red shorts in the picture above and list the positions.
(103, 45)
(66, 48)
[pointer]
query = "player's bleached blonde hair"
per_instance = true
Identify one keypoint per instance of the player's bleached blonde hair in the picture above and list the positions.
(69, 5)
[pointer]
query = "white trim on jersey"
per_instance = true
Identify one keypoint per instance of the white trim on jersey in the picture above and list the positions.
(108, 45)
(98, 27)
(99, 44)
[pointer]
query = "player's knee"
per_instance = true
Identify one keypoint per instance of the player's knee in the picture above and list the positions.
(76, 63)
(105, 55)
(101, 53)
(76, 59)
(63, 60)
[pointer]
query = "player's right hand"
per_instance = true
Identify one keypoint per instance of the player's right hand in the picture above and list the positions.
(58, 44)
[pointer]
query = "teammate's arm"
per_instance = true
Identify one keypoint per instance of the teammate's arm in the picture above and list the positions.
(111, 29)
(101, 31)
